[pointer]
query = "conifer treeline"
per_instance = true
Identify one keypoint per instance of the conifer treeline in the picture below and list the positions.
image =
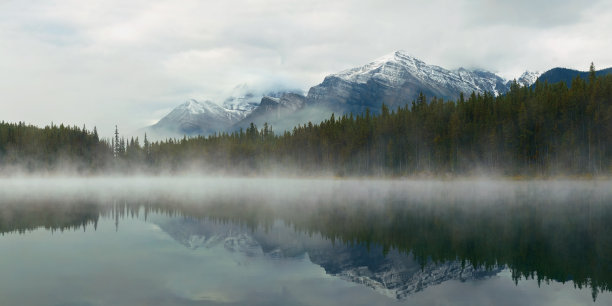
(50, 147)
(545, 129)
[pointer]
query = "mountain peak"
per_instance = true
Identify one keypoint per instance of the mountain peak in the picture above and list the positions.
(399, 69)
(388, 69)
(404, 55)
(195, 107)
(190, 103)
(196, 117)
(528, 78)
(400, 57)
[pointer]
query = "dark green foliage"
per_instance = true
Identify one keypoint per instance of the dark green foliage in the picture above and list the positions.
(51, 147)
(542, 130)
(565, 75)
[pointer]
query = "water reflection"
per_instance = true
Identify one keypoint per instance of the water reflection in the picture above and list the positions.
(398, 239)
(394, 274)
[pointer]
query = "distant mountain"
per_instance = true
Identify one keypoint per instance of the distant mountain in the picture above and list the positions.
(557, 75)
(276, 111)
(395, 80)
(194, 117)
(206, 117)
(243, 97)
(246, 102)
(528, 78)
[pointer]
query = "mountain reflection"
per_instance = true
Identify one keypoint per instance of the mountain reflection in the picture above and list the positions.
(392, 244)
(394, 274)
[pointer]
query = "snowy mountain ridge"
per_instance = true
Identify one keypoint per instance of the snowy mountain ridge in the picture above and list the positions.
(528, 78)
(394, 79)
(197, 117)
(396, 68)
(396, 282)
(193, 107)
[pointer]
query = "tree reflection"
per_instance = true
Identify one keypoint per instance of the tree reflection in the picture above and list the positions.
(536, 238)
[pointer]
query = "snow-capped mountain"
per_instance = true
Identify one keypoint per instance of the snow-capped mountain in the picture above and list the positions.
(206, 117)
(528, 78)
(395, 69)
(244, 97)
(195, 117)
(397, 79)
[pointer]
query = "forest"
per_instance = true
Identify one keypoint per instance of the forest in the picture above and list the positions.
(542, 130)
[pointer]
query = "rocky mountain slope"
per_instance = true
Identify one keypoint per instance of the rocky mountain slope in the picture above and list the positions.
(206, 117)
(274, 110)
(397, 79)
(195, 117)
(528, 78)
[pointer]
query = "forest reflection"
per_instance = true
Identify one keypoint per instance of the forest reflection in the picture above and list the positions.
(548, 238)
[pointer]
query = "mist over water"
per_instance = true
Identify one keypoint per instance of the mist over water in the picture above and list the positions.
(226, 240)
(204, 189)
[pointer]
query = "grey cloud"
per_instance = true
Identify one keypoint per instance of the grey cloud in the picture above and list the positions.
(528, 13)
(115, 62)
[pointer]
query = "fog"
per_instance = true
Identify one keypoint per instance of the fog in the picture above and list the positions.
(289, 190)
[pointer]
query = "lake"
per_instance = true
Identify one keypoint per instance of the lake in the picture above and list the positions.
(276, 241)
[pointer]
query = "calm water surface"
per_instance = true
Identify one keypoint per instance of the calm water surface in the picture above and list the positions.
(237, 241)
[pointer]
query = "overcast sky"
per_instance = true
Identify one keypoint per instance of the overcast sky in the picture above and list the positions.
(129, 62)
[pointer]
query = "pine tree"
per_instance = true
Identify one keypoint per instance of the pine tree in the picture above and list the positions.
(116, 145)
(146, 146)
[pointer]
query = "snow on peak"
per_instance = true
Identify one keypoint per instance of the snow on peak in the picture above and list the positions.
(192, 109)
(389, 68)
(246, 98)
(242, 97)
(399, 67)
(195, 107)
(528, 78)
(245, 102)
